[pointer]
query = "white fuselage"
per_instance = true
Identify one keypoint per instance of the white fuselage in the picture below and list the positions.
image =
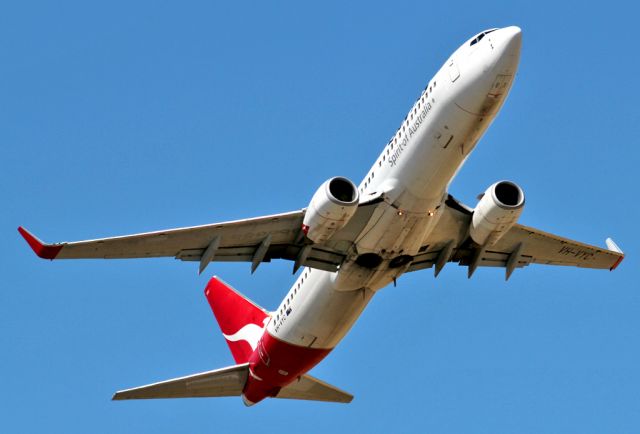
(412, 173)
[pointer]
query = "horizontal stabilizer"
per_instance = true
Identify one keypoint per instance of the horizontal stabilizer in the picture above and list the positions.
(311, 389)
(221, 382)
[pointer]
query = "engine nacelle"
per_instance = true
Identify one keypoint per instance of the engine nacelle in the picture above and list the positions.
(498, 210)
(331, 208)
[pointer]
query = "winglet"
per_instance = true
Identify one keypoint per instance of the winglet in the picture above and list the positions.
(611, 245)
(43, 250)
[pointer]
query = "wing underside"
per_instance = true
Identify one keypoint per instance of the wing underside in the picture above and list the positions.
(254, 240)
(280, 236)
(519, 247)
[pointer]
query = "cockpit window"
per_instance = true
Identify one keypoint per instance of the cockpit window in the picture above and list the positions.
(477, 39)
(480, 36)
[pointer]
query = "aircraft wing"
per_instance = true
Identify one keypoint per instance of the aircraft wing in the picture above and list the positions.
(253, 240)
(519, 247)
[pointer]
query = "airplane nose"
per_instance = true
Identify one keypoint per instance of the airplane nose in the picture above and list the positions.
(507, 43)
(489, 72)
(512, 40)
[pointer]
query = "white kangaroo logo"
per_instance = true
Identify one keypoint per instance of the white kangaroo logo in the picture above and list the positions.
(250, 333)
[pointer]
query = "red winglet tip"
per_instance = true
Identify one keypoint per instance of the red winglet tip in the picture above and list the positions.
(45, 251)
(618, 261)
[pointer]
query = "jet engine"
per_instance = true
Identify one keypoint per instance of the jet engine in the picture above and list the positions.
(331, 208)
(498, 210)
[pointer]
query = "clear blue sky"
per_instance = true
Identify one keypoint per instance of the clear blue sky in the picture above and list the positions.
(134, 116)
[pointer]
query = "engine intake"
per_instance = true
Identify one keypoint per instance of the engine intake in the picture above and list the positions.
(330, 209)
(498, 210)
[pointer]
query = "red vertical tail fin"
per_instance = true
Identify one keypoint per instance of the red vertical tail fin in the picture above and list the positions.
(241, 321)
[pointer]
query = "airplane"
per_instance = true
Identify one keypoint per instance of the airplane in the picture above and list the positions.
(354, 240)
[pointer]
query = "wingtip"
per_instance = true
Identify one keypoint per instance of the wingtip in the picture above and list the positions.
(43, 250)
(118, 396)
(611, 245)
(618, 261)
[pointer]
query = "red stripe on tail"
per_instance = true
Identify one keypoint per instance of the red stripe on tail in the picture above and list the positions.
(241, 321)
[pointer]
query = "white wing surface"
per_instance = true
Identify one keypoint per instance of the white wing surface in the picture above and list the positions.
(254, 240)
(519, 247)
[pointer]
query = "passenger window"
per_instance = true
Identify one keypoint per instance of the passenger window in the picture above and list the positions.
(434, 84)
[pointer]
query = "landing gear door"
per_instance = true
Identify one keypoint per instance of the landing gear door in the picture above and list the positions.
(454, 72)
(500, 86)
